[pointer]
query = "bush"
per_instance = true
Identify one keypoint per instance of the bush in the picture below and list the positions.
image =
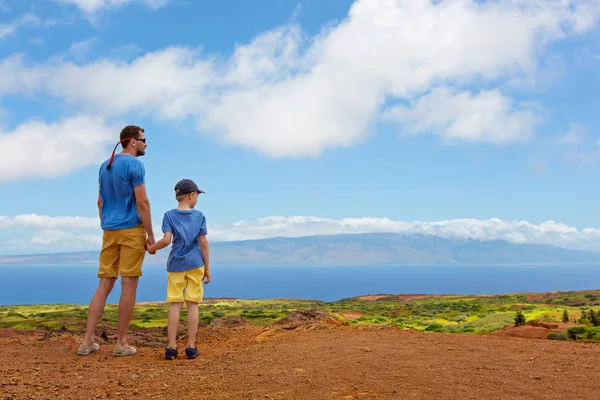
(520, 319)
(206, 318)
(435, 327)
(556, 336)
(576, 332)
(565, 316)
(467, 329)
(594, 318)
(593, 333)
(379, 319)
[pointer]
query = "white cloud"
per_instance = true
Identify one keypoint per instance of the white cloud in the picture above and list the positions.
(36, 221)
(574, 147)
(286, 94)
(37, 149)
(93, 6)
(549, 232)
(53, 237)
(487, 116)
(63, 233)
(12, 27)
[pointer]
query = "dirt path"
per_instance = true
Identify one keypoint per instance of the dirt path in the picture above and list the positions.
(341, 363)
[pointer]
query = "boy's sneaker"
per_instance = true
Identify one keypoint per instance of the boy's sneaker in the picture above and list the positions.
(170, 353)
(191, 352)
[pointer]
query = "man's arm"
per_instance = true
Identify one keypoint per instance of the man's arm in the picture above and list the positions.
(99, 204)
(206, 257)
(143, 206)
(161, 244)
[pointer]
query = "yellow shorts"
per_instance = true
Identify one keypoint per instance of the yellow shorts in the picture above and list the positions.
(122, 252)
(191, 281)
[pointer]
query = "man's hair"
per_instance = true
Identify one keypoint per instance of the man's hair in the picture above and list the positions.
(130, 131)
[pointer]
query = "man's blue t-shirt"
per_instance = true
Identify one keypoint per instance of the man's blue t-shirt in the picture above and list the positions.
(186, 226)
(119, 209)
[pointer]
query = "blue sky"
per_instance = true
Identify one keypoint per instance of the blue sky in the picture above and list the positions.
(331, 115)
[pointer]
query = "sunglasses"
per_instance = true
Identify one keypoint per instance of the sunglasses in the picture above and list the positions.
(142, 140)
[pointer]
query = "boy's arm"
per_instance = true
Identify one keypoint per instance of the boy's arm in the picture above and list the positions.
(161, 244)
(206, 257)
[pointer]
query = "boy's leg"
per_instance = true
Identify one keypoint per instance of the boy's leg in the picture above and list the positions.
(97, 308)
(126, 303)
(192, 323)
(173, 324)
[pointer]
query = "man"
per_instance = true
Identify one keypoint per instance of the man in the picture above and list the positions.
(125, 219)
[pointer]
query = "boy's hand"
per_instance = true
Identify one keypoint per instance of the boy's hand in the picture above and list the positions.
(150, 249)
(206, 277)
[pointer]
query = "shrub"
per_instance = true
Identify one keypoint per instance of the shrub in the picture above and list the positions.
(556, 336)
(207, 318)
(593, 333)
(576, 332)
(467, 329)
(565, 317)
(435, 327)
(520, 319)
(594, 318)
(379, 319)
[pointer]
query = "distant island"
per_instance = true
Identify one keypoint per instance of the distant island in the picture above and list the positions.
(352, 249)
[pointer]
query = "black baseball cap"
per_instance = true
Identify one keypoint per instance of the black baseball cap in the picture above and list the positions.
(186, 186)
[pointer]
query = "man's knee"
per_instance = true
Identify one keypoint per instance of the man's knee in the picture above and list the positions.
(107, 284)
(129, 283)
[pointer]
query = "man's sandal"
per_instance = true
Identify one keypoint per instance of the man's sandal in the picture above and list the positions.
(124, 351)
(85, 350)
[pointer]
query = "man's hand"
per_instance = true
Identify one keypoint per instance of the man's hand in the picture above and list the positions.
(206, 276)
(150, 248)
(150, 240)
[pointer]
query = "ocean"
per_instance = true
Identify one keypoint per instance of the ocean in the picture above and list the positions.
(20, 284)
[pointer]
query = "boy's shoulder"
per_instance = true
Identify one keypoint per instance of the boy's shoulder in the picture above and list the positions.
(175, 212)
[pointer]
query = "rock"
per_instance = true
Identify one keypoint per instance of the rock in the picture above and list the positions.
(232, 321)
(308, 319)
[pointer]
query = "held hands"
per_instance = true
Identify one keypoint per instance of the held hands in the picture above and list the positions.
(150, 248)
(150, 241)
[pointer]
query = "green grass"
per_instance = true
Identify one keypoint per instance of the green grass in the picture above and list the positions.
(471, 314)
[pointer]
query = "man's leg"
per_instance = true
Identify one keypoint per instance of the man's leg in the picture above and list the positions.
(192, 323)
(173, 324)
(97, 308)
(126, 303)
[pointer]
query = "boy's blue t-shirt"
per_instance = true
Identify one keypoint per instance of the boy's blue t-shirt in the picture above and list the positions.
(186, 227)
(119, 209)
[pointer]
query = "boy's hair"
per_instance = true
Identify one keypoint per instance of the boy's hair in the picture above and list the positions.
(130, 131)
(178, 196)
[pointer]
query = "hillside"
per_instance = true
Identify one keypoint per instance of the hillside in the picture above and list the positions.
(357, 249)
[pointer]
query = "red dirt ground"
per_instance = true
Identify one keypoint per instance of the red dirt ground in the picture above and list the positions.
(337, 363)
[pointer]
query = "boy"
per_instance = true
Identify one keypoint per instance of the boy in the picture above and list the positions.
(187, 265)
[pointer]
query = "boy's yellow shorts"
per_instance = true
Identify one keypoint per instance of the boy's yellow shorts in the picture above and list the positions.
(186, 285)
(122, 252)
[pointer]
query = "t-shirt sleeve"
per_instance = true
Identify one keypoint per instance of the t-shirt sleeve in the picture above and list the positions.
(137, 173)
(203, 230)
(166, 224)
